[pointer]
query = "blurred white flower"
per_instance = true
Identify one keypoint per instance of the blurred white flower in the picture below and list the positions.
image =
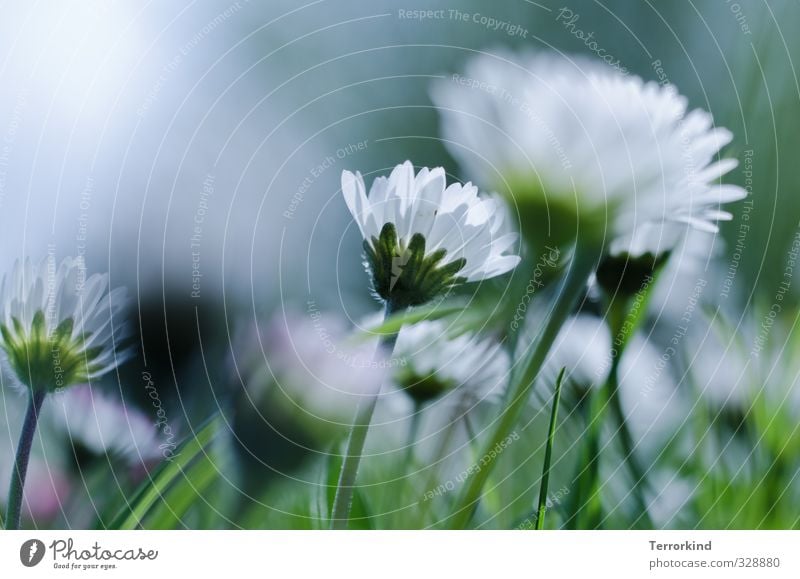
(652, 404)
(719, 368)
(685, 280)
(308, 369)
(655, 409)
(104, 425)
(734, 360)
(59, 328)
(586, 140)
(422, 237)
(583, 347)
(433, 363)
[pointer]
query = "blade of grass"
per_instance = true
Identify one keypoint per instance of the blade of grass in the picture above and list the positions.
(131, 516)
(570, 290)
(548, 453)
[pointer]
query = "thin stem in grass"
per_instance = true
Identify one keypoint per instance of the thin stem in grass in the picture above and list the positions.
(413, 432)
(628, 445)
(586, 508)
(571, 288)
(20, 470)
(343, 499)
(548, 453)
(626, 311)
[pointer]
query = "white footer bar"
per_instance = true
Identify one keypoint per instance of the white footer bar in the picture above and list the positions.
(401, 554)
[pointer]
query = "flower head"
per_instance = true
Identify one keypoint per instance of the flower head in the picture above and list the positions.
(423, 237)
(583, 347)
(575, 142)
(434, 363)
(304, 375)
(58, 328)
(104, 425)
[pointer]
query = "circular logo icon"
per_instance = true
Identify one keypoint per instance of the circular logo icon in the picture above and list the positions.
(32, 552)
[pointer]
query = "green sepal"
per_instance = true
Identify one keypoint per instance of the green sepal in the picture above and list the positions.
(47, 361)
(406, 276)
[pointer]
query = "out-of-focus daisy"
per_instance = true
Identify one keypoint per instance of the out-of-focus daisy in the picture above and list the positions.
(574, 140)
(583, 347)
(746, 379)
(432, 363)
(300, 378)
(647, 388)
(720, 358)
(448, 374)
(59, 328)
(103, 425)
(654, 408)
(311, 367)
(423, 237)
(685, 280)
(744, 368)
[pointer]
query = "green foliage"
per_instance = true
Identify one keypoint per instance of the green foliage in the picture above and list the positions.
(176, 485)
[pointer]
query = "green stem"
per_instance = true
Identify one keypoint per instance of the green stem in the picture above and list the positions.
(571, 288)
(16, 489)
(413, 430)
(548, 453)
(625, 314)
(343, 499)
(626, 438)
(586, 511)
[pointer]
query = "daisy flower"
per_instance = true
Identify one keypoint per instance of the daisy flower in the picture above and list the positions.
(647, 388)
(446, 376)
(422, 237)
(59, 328)
(307, 366)
(302, 378)
(105, 425)
(583, 347)
(433, 363)
(575, 141)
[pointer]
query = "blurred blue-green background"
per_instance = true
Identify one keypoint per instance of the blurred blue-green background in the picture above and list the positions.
(194, 149)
